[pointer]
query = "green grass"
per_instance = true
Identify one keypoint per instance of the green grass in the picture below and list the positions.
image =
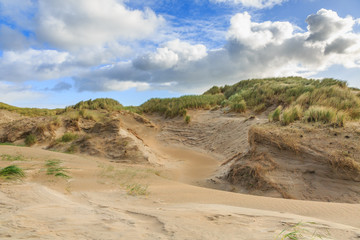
(11, 158)
(291, 114)
(30, 140)
(69, 137)
(187, 119)
(31, 112)
(54, 168)
(99, 103)
(275, 115)
(12, 172)
(173, 107)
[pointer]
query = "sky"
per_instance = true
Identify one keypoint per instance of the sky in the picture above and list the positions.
(56, 53)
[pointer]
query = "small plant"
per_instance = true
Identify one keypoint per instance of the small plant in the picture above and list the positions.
(69, 137)
(12, 171)
(275, 115)
(137, 189)
(187, 119)
(54, 168)
(30, 140)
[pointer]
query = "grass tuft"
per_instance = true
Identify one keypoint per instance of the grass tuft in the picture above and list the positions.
(54, 168)
(11, 172)
(30, 140)
(69, 137)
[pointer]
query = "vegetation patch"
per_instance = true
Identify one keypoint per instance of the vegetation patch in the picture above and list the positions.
(54, 168)
(30, 140)
(187, 119)
(299, 232)
(11, 158)
(12, 172)
(68, 137)
(172, 107)
(99, 103)
(137, 189)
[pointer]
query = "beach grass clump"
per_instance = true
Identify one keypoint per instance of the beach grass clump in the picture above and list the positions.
(320, 114)
(69, 137)
(275, 115)
(30, 140)
(187, 119)
(54, 168)
(291, 114)
(11, 172)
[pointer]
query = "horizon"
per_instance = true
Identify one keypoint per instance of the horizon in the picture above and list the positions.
(55, 54)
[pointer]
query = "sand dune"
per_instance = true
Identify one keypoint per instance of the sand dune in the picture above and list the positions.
(166, 199)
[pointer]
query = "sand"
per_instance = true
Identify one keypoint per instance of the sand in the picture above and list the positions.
(96, 202)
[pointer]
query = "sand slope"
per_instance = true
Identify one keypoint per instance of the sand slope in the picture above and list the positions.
(94, 204)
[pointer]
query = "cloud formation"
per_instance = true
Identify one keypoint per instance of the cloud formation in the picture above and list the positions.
(69, 24)
(93, 41)
(264, 49)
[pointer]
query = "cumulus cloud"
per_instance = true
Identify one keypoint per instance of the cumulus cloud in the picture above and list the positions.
(253, 49)
(69, 24)
(175, 53)
(257, 35)
(326, 25)
(253, 3)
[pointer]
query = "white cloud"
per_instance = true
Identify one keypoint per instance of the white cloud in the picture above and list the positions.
(69, 24)
(13, 94)
(264, 49)
(17, 66)
(175, 53)
(253, 3)
(257, 35)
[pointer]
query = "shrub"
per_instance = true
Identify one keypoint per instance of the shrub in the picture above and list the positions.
(30, 139)
(291, 114)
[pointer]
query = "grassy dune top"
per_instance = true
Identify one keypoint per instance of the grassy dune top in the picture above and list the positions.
(295, 98)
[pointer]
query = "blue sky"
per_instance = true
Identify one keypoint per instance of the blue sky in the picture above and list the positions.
(56, 53)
